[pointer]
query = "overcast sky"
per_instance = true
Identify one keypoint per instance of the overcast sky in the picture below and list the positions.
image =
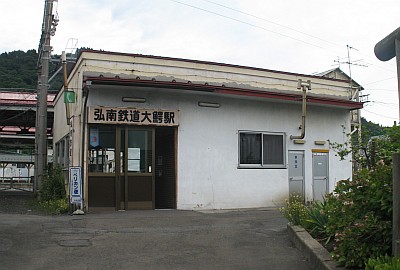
(287, 35)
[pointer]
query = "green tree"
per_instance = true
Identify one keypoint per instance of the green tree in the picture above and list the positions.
(376, 145)
(18, 69)
(370, 129)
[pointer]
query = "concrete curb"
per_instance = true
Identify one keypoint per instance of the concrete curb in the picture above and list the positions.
(316, 254)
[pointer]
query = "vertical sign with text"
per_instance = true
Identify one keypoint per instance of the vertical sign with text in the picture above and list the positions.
(75, 182)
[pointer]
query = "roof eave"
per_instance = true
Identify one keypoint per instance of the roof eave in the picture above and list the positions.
(343, 103)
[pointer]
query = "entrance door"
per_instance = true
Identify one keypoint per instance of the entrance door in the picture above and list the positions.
(135, 175)
(101, 168)
(296, 173)
(320, 175)
(131, 167)
(165, 168)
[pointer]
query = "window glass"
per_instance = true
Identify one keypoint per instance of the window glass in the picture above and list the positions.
(67, 151)
(250, 148)
(273, 149)
(261, 149)
(57, 154)
(62, 152)
(139, 151)
(102, 149)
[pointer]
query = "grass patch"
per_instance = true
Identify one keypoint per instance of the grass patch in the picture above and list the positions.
(54, 207)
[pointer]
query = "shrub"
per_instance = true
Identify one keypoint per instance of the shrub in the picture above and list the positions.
(357, 215)
(52, 193)
(53, 186)
(383, 263)
(295, 211)
(317, 221)
(360, 216)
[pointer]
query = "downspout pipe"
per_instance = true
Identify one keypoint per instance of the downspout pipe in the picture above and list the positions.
(304, 86)
(85, 94)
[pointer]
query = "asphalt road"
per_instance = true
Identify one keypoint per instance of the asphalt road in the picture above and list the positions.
(160, 239)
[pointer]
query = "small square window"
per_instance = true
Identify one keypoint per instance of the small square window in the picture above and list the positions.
(261, 150)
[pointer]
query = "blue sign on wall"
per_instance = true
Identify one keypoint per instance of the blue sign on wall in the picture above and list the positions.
(75, 183)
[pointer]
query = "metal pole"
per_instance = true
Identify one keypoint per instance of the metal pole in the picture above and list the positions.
(41, 113)
(385, 50)
(388, 48)
(396, 205)
(397, 45)
(396, 175)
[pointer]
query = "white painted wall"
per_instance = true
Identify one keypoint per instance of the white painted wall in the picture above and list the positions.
(208, 174)
(61, 129)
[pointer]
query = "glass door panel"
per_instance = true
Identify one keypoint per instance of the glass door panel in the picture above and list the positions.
(102, 167)
(102, 149)
(139, 174)
(140, 151)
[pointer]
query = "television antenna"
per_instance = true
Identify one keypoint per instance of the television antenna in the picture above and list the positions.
(347, 61)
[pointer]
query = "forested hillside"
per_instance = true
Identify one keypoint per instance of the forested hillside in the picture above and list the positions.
(18, 70)
(370, 129)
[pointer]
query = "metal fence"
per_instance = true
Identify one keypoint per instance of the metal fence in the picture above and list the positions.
(16, 184)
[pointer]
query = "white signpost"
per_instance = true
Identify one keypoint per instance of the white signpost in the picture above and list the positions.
(75, 185)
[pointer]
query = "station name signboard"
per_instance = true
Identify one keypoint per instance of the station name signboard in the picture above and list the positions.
(132, 116)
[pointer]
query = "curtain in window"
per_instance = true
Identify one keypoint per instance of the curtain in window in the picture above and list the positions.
(273, 149)
(250, 148)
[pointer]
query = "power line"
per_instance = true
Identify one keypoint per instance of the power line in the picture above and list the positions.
(275, 23)
(380, 115)
(388, 105)
(17, 115)
(294, 30)
(378, 89)
(256, 26)
(380, 80)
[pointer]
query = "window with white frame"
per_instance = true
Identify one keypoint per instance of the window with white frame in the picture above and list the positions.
(262, 149)
(62, 152)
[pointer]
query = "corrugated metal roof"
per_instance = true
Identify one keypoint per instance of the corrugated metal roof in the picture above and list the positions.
(23, 98)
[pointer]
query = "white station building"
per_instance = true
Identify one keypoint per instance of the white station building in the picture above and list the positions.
(153, 132)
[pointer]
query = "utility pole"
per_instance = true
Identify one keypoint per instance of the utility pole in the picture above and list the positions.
(48, 29)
